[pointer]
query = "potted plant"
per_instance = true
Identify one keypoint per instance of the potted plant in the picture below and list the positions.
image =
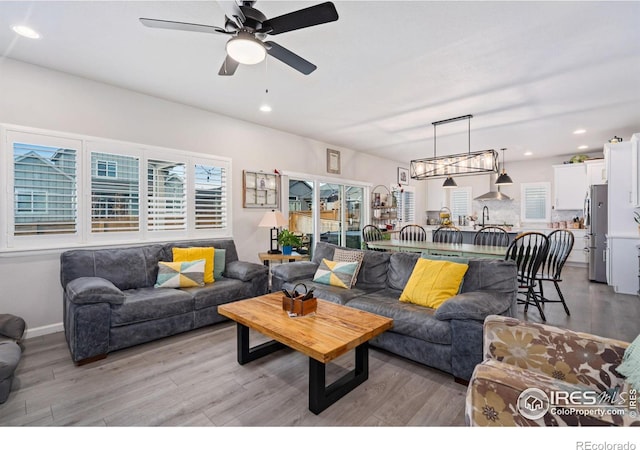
(288, 240)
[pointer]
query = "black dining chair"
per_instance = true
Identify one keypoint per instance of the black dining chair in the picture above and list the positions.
(492, 235)
(371, 233)
(447, 235)
(560, 245)
(412, 233)
(529, 251)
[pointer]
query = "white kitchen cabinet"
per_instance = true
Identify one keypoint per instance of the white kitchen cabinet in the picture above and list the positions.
(635, 169)
(570, 186)
(596, 171)
(578, 256)
(622, 264)
(620, 198)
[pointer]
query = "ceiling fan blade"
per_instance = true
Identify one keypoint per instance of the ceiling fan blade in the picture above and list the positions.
(232, 11)
(183, 26)
(303, 18)
(229, 66)
(290, 58)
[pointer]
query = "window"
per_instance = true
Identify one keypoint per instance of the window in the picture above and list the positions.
(106, 169)
(115, 198)
(44, 189)
(405, 199)
(166, 197)
(211, 196)
(535, 203)
(63, 191)
(460, 201)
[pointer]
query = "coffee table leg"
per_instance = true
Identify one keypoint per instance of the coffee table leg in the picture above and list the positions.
(247, 354)
(322, 396)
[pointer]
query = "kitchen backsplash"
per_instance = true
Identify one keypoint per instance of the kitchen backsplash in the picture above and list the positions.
(508, 212)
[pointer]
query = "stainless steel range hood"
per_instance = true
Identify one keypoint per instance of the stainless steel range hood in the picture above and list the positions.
(494, 193)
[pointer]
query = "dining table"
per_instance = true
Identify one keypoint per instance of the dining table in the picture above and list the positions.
(439, 248)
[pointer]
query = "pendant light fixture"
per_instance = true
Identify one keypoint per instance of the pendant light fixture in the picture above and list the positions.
(449, 183)
(469, 163)
(503, 179)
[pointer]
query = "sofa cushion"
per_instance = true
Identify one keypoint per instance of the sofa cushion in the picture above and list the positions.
(433, 282)
(10, 353)
(181, 274)
(125, 267)
(336, 273)
(408, 319)
(145, 304)
(401, 266)
(330, 293)
(12, 326)
(224, 290)
(490, 274)
(193, 254)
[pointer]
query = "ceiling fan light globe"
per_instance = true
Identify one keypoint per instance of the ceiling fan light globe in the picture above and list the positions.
(246, 49)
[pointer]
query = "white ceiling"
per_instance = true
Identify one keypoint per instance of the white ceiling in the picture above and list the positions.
(529, 72)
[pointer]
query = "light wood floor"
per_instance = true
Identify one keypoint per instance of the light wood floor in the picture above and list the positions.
(194, 380)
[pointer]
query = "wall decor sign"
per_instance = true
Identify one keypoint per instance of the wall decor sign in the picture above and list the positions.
(333, 161)
(260, 189)
(403, 176)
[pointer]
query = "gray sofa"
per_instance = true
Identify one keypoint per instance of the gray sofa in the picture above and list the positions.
(448, 338)
(11, 333)
(110, 301)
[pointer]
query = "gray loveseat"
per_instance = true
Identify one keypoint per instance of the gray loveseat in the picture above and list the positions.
(110, 301)
(448, 338)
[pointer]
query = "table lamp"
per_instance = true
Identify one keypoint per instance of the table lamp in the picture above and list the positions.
(273, 219)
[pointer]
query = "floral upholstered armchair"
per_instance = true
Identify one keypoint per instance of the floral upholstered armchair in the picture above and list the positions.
(539, 375)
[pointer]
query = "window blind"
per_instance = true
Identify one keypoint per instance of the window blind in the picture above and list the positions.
(460, 202)
(166, 195)
(535, 201)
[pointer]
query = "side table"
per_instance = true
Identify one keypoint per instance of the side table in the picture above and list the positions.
(268, 258)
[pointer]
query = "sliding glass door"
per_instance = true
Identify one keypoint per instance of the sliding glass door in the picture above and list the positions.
(338, 212)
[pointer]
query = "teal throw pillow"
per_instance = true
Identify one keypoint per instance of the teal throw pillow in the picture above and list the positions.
(219, 256)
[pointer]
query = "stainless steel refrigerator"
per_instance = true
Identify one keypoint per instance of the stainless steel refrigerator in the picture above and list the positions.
(596, 239)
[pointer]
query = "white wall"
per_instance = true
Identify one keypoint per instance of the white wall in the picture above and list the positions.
(41, 98)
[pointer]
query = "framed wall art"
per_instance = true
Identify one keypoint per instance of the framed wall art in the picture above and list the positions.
(260, 189)
(333, 161)
(403, 176)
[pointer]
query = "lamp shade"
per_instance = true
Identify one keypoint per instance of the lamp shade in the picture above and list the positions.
(273, 219)
(246, 49)
(449, 183)
(504, 179)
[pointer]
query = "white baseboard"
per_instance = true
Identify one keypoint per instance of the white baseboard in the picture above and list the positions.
(41, 331)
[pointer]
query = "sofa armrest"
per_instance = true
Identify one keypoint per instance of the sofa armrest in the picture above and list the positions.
(12, 326)
(476, 305)
(291, 272)
(85, 290)
(494, 390)
(244, 270)
(573, 356)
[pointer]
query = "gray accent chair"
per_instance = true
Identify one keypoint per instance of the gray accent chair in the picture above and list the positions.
(110, 301)
(448, 338)
(11, 332)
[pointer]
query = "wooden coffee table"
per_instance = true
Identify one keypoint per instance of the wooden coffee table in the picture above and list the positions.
(332, 331)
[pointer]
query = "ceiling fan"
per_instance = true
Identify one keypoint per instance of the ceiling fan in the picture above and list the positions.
(249, 28)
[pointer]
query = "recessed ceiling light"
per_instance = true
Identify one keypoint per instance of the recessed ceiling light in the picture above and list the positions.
(25, 31)
(583, 147)
(528, 153)
(580, 131)
(265, 108)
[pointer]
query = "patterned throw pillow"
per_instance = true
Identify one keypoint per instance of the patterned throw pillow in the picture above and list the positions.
(349, 256)
(181, 254)
(335, 273)
(180, 274)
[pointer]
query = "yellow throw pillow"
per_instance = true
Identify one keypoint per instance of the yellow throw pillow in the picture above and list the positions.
(433, 282)
(194, 253)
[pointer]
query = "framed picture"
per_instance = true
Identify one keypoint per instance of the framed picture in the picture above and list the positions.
(333, 161)
(260, 189)
(403, 176)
